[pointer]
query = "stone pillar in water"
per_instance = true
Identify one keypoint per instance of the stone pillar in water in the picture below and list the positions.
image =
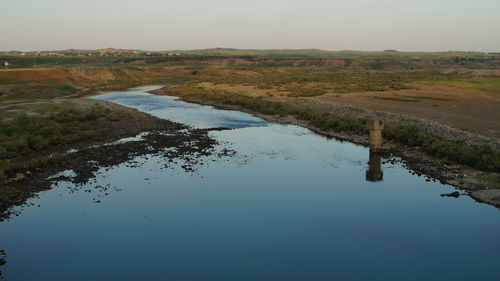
(374, 172)
(375, 127)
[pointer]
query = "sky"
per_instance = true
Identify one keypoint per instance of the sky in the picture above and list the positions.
(368, 25)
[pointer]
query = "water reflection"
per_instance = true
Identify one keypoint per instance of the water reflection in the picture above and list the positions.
(286, 207)
(374, 172)
(172, 108)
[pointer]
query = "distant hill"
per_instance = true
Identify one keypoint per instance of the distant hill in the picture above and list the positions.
(276, 53)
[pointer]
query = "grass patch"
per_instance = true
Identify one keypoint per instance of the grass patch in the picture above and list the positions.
(27, 92)
(488, 85)
(322, 120)
(305, 79)
(25, 139)
(482, 158)
(491, 85)
(488, 177)
(305, 91)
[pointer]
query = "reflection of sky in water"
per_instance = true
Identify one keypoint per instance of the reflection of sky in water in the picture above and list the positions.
(172, 108)
(291, 205)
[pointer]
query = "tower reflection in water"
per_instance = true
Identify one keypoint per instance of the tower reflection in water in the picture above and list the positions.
(374, 172)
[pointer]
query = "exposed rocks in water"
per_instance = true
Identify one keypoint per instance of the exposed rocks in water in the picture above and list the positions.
(2, 257)
(455, 194)
(3, 261)
(175, 143)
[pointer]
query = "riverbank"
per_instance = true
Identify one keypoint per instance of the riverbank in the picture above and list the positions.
(26, 170)
(109, 122)
(483, 186)
(285, 186)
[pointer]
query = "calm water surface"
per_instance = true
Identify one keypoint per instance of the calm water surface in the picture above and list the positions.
(290, 205)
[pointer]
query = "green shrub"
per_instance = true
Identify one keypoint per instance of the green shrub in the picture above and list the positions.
(24, 138)
(482, 158)
(305, 92)
(3, 177)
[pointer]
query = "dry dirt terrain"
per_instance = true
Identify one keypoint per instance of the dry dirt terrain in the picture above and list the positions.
(465, 109)
(461, 105)
(458, 107)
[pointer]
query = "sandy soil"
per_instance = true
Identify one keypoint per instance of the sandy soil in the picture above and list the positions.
(461, 109)
(469, 110)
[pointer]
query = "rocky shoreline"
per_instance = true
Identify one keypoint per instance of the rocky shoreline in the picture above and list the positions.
(151, 136)
(28, 183)
(425, 125)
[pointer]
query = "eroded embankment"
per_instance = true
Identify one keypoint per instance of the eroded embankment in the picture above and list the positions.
(482, 186)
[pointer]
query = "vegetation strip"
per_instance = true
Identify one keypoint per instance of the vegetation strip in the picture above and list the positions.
(479, 157)
(32, 145)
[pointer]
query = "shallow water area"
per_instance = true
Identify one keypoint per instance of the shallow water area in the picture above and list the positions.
(290, 205)
(171, 108)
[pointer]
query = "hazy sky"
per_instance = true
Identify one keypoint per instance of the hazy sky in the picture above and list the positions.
(409, 25)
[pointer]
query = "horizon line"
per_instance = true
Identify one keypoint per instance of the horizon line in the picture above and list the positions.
(251, 49)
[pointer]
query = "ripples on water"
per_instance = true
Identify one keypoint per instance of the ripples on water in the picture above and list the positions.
(290, 205)
(171, 108)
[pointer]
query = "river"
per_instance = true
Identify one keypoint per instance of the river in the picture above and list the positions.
(289, 205)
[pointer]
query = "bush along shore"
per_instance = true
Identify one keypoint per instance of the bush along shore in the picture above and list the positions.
(35, 135)
(38, 141)
(470, 167)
